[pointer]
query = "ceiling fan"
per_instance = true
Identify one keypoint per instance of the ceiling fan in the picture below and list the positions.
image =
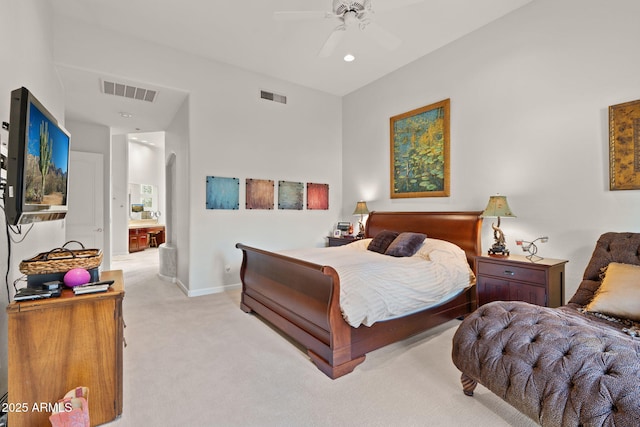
(351, 14)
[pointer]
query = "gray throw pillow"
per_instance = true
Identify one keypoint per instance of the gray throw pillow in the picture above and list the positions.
(382, 240)
(406, 244)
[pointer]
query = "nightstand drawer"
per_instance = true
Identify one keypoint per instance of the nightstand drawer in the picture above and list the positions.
(517, 278)
(512, 272)
(339, 241)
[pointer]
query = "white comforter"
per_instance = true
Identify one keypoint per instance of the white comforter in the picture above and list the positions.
(375, 287)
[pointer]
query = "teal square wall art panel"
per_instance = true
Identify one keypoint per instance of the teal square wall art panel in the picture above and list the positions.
(290, 195)
(223, 193)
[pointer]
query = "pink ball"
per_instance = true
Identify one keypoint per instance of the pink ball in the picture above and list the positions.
(76, 277)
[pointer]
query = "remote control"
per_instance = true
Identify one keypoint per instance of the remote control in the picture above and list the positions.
(104, 282)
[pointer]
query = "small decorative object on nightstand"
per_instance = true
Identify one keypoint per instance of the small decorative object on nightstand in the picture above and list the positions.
(532, 248)
(516, 278)
(498, 207)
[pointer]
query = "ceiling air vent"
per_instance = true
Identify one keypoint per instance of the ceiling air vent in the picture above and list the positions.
(127, 91)
(269, 96)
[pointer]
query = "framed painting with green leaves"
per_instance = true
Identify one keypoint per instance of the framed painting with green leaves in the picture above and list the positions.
(420, 152)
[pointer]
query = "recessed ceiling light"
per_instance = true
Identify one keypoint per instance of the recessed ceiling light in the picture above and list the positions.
(125, 115)
(349, 57)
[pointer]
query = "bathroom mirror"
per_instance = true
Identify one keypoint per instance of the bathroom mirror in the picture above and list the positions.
(143, 201)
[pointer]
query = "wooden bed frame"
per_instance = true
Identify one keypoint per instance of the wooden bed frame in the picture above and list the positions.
(302, 299)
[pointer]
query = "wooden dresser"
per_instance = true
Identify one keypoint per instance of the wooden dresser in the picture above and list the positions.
(61, 343)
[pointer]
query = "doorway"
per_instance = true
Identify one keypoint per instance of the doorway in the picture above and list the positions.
(146, 190)
(85, 220)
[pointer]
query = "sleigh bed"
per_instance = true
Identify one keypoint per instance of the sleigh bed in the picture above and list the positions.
(302, 299)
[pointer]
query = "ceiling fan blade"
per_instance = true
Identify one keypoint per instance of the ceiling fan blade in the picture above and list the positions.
(332, 41)
(383, 37)
(302, 15)
(395, 4)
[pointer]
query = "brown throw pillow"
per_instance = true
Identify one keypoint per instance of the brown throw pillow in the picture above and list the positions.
(381, 242)
(619, 293)
(406, 244)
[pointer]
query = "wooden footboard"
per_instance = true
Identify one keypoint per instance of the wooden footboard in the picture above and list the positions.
(302, 300)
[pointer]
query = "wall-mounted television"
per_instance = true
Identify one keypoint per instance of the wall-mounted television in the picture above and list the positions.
(37, 163)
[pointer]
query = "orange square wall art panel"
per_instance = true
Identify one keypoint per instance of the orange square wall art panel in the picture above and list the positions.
(259, 194)
(317, 196)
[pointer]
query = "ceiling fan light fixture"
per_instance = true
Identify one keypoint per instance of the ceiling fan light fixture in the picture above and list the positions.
(351, 15)
(350, 18)
(349, 58)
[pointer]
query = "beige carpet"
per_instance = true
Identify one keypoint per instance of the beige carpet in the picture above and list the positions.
(203, 362)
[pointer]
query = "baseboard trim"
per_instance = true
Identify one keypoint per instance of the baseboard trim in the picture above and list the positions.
(207, 291)
(167, 278)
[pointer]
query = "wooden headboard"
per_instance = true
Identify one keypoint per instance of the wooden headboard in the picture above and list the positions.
(462, 228)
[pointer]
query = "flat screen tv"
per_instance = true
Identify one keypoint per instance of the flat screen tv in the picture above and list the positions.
(37, 163)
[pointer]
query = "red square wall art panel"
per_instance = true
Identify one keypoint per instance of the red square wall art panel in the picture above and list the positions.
(317, 196)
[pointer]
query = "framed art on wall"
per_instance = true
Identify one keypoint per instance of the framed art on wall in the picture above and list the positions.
(317, 196)
(290, 195)
(259, 194)
(624, 146)
(222, 193)
(420, 152)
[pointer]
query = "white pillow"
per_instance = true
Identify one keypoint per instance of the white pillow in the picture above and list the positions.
(431, 247)
(358, 244)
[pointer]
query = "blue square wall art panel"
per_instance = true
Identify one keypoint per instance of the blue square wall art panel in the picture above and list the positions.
(223, 193)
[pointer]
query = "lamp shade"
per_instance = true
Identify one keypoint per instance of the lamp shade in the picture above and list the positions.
(497, 207)
(361, 209)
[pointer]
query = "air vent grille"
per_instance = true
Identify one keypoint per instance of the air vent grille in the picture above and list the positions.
(270, 96)
(127, 91)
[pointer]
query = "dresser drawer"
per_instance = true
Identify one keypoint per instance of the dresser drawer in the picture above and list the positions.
(512, 272)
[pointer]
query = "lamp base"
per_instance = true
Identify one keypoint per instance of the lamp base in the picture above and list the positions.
(498, 250)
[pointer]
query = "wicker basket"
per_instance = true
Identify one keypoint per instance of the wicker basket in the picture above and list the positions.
(61, 260)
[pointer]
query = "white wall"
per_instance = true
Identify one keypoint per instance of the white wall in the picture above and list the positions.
(26, 60)
(529, 120)
(119, 195)
(232, 133)
(177, 143)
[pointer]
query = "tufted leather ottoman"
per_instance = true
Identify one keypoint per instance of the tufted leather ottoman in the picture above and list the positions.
(558, 366)
(554, 365)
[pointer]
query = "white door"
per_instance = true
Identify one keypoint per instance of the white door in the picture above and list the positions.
(85, 219)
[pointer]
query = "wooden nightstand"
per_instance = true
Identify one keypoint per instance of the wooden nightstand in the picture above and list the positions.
(515, 278)
(339, 241)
